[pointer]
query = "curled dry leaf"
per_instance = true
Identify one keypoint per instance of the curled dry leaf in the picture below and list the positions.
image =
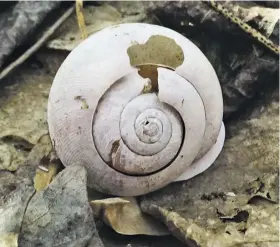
(43, 178)
(125, 217)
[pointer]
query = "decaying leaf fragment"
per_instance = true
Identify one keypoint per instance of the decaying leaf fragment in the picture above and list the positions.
(43, 148)
(244, 227)
(22, 113)
(125, 217)
(59, 215)
(10, 159)
(9, 240)
(13, 203)
(44, 177)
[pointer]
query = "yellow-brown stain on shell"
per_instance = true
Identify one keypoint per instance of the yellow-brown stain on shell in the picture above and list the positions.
(149, 71)
(157, 50)
(83, 101)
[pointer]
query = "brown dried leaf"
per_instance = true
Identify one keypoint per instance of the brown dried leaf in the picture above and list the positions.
(43, 178)
(262, 221)
(9, 240)
(43, 148)
(125, 217)
(10, 157)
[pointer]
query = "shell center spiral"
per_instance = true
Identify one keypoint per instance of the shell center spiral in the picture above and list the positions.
(146, 119)
(148, 129)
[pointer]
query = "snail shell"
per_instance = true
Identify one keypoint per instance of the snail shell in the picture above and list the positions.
(139, 106)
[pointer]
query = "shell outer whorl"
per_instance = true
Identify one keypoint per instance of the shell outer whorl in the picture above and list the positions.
(143, 125)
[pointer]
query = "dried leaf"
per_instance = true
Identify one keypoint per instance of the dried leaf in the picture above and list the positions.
(125, 217)
(9, 240)
(13, 205)
(43, 178)
(262, 221)
(19, 21)
(22, 113)
(10, 158)
(43, 148)
(37, 44)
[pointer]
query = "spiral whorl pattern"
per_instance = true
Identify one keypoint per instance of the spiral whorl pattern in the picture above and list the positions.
(141, 134)
(137, 105)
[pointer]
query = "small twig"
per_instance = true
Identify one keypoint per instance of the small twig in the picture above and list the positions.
(38, 44)
(81, 19)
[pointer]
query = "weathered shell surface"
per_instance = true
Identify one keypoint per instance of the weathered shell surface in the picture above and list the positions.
(139, 106)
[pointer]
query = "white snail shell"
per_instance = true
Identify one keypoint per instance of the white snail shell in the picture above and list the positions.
(139, 106)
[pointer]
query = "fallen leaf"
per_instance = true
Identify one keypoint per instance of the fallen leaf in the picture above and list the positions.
(9, 240)
(13, 205)
(42, 148)
(60, 215)
(43, 178)
(10, 157)
(242, 230)
(125, 217)
(22, 114)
